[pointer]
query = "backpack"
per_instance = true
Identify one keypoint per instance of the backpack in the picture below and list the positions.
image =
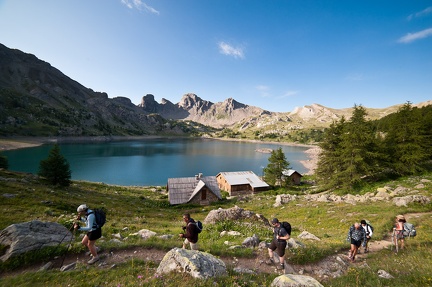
(199, 226)
(100, 216)
(370, 225)
(287, 227)
(409, 230)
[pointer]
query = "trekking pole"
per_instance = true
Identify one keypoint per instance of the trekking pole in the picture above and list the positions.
(395, 239)
(67, 248)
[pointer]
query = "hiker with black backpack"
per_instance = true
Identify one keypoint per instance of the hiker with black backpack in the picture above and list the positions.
(94, 232)
(191, 232)
(279, 242)
(369, 232)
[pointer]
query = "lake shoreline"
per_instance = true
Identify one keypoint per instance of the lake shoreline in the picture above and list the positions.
(10, 143)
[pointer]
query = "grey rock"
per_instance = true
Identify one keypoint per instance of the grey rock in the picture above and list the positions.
(195, 263)
(291, 280)
(30, 236)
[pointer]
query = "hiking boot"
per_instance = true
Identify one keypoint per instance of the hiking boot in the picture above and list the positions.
(269, 261)
(93, 260)
(281, 267)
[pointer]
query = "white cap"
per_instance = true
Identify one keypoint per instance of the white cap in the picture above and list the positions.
(82, 207)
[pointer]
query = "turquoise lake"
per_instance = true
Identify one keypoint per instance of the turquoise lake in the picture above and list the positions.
(150, 162)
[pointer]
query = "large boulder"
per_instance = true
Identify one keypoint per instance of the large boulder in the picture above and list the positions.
(234, 213)
(20, 238)
(291, 280)
(405, 200)
(196, 263)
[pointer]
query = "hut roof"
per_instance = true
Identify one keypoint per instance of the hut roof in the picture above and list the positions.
(243, 177)
(183, 189)
(289, 172)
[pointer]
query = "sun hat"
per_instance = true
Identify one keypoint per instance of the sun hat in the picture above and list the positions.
(82, 207)
(400, 217)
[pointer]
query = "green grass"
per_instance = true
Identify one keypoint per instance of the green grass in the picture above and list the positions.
(131, 209)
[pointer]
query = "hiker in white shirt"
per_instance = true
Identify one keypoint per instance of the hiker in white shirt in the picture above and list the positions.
(369, 233)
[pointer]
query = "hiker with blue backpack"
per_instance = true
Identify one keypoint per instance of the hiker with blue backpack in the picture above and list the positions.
(191, 232)
(94, 231)
(399, 230)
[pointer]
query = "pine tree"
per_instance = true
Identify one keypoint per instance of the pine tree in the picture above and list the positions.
(55, 168)
(273, 173)
(330, 160)
(406, 141)
(360, 151)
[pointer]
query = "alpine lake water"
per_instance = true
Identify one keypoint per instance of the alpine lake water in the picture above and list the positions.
(150, 162)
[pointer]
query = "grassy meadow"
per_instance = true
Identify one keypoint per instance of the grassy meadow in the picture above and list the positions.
(130, 209)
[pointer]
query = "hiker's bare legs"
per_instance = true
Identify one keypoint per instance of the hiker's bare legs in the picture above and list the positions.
(353, 251)
(90, 245)
(270, 253)
(402, 241)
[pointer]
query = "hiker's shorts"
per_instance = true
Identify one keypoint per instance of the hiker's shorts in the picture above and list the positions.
(399, 234)
(279, 246)
(356, 242)
(95, 234)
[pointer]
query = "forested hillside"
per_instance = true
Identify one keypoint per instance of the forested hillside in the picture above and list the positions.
(357, 150)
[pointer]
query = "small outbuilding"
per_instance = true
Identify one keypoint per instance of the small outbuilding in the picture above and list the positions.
(240, 182)
(198, 189)
(294, 175)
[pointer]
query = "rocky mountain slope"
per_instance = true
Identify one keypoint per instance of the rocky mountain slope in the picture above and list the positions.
(38, 99)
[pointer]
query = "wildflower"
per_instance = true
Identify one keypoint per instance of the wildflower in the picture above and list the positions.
(140, 276)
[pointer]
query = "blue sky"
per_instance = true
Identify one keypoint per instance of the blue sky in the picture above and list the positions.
(273, 54)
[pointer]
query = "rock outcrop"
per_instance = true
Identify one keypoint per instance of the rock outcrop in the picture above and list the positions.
(29, 236)
(234, 213)
(195, 263)
(291, 280)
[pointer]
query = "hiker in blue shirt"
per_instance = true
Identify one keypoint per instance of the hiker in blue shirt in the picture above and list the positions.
(356, 235)
(93, 231)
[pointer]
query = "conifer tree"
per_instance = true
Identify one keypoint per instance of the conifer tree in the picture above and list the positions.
(406, 141)
(273, 173)
(4, 163)
(55, 168)
(330, 160)
(359, 149)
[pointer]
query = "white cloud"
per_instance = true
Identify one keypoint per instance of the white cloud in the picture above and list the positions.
(289, 94)
(227, 49)
(263, 90)
(411, 37)
(138, 4)
(422, 13)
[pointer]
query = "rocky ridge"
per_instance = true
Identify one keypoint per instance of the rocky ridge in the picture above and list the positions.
(39, 100)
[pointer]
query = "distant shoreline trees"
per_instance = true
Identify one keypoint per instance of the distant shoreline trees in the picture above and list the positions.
(357, 150)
